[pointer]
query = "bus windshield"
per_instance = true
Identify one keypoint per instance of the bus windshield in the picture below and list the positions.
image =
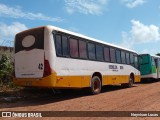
(144, 59)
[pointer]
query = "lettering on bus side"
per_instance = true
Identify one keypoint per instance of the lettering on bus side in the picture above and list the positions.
(113, 68)
(121, 68)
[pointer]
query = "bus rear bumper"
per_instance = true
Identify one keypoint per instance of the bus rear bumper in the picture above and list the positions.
(48, 81)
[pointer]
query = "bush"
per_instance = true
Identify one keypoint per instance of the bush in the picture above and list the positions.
(6, 70)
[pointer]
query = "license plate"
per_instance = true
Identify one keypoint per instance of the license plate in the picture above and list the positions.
(29, 83)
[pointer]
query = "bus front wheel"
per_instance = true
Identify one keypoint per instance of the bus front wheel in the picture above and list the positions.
(130, 82)
(95, 85)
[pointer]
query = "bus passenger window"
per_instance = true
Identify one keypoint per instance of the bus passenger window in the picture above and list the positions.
(91, 51)
(123, 57)
(65, 46)
(58, 43)
(153, 61)
(131, 59)
(106, 54)
(127, 58)
(99, 52)
(82, 49)
(112, 55)
(136, 61)
(73, 48)
(118, 56)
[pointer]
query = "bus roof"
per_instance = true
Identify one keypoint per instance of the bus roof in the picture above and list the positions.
(156, 56)
(86, 37)
(50, 27)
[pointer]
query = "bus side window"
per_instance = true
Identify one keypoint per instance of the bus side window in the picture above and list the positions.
(82, 49)
(131, 59)
(58, 43)
(99, 52)
(73, 47)
(123, 57)
(112, 55)
(127, 58)
(65, 46)
(136, 61)
(153, 61)
(118, 56)
(91, 51)
(106, 54)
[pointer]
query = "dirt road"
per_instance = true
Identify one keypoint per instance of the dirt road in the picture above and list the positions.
(141, 97)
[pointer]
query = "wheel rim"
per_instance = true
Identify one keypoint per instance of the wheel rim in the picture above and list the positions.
(130, 81)
(96, 86)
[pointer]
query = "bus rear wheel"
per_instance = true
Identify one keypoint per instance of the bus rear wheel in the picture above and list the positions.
(130, 82)
(95, 85)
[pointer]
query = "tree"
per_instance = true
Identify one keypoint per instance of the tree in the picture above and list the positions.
(6, 69)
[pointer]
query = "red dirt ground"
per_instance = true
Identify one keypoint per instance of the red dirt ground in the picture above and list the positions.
(141, 97)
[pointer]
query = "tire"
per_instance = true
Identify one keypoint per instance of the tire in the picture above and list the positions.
(95, 85)
(130, 82)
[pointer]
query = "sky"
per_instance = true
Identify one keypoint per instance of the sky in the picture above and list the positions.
(133, 24)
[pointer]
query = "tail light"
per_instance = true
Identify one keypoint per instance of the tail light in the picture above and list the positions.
(47, 68)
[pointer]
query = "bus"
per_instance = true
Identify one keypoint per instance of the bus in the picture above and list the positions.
(149, 66)
(55, 58)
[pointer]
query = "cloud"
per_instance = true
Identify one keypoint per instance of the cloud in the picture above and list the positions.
(140, 34)
(151, 51)
(7, 32)
(143, 33)
(16, 12)
(133, 3)
(86, 6)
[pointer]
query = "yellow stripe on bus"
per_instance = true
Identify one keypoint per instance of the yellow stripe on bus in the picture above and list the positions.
(54, 81)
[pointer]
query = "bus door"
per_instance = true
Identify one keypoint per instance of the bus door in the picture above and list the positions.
(157, 69)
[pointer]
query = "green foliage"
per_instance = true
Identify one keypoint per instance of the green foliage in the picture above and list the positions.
(6, 70)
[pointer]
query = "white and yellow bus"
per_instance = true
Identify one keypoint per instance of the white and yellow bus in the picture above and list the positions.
(56, 58)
